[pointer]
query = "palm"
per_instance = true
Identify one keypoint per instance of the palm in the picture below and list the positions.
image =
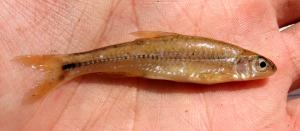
(97, 102)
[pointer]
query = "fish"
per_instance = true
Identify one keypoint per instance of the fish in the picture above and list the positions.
(154, 55)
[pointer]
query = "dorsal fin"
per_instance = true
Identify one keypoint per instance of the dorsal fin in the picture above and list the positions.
(151, 34)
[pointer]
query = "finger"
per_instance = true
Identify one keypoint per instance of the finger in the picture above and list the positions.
(291, 38)
(287, 11)
(293, 109)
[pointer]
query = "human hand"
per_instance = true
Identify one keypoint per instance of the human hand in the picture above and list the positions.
(97, 102)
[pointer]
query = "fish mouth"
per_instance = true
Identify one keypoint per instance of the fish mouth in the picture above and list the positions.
(274, 68)
(272, 64)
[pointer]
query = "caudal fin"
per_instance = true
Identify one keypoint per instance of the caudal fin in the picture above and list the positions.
(51, 65)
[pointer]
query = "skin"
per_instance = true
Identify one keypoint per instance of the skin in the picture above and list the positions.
(101, 102)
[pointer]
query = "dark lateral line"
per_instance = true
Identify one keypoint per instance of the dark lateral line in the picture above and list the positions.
(70, 66)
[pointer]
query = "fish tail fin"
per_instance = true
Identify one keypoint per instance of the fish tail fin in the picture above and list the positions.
(51, 65)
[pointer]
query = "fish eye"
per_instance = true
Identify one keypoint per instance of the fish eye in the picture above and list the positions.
(262, 64)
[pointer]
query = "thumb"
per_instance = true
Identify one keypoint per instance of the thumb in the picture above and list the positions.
(292, 39)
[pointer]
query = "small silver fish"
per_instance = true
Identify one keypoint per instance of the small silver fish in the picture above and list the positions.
(155, 55)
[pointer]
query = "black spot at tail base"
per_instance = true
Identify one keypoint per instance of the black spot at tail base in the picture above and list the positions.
(69, 66)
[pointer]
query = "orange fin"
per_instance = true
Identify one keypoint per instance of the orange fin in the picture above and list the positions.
(151, 34)
(51, 65)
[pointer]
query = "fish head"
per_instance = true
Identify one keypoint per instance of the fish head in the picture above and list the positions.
(251, 67)
(262, 67)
